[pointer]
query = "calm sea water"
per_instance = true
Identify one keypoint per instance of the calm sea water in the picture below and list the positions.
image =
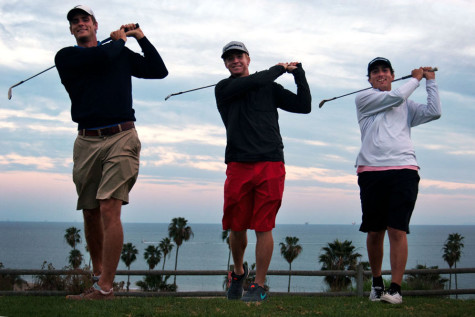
(25, 245)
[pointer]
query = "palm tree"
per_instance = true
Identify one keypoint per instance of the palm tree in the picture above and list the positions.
(339, 256)
(179, 232)
(166, 246)
(129, 255)
(75, 258)
(290, 250)
(225, 237)
(452, 252)
(72, 237)
(152, 255)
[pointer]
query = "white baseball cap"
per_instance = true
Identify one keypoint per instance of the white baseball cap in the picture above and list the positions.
(79, 9)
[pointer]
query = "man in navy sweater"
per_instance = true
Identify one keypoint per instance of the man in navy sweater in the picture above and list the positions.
(255, 157)
(106, 151)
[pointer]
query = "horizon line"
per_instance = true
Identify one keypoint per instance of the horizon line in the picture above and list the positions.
(217, 223)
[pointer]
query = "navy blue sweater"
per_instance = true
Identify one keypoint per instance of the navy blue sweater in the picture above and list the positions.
(99, 80)
(248, 107)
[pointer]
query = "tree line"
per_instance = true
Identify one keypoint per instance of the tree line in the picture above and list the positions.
(336, 255)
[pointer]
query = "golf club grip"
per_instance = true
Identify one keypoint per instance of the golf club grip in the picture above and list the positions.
(125, 30)
(136, 26)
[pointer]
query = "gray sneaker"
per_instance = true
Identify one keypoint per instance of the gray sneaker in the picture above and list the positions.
(93, 293)
(235, 289)
(255, 293)
(376, 293)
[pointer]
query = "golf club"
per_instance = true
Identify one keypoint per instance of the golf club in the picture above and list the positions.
(182, 92)
(354, 92)
(25, 80)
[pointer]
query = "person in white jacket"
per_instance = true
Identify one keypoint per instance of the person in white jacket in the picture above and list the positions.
(387, 168)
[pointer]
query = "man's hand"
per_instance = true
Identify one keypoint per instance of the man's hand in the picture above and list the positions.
(132, 31)
(119, 34)
(285, 65)
(289, 67)
(292, 66)
(418, 73)
(428, 73)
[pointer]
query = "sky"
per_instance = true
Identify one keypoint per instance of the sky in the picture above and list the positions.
(182, 167)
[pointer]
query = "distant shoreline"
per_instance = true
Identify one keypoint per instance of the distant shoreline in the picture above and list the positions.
(206, 223)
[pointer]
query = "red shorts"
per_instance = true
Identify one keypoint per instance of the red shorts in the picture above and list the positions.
(252, 195)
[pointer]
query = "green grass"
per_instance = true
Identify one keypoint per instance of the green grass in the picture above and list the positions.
(275, 306)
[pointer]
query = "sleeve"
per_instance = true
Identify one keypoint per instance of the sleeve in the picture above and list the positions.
(230, 88)
(372, 101)
(423, 113)
(296, 103)
(150, 65)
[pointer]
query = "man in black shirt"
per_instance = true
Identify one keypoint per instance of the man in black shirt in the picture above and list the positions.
(106, 151)
(255, 158)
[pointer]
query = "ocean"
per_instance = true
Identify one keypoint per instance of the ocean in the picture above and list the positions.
(25, 245)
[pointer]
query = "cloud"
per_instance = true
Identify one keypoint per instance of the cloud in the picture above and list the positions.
(169, 156)
(183, 139)
(308, 142)
(319, 174)
(450, 186)
(27, 113)
(208, 134)
(449, 142)
(38, 162)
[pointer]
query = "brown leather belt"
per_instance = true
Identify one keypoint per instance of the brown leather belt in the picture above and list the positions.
(108, 131)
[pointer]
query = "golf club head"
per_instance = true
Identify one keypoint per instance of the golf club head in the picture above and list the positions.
(166, 98)
(325, 100)
(10, 93)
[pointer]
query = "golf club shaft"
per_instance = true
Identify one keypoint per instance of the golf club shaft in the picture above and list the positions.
(354, 92)
(25, 80)
(182, 92)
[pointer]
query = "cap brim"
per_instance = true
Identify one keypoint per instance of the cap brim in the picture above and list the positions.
(231, 51)
(75, 11)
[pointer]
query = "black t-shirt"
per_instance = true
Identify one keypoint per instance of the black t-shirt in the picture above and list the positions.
(248, 107)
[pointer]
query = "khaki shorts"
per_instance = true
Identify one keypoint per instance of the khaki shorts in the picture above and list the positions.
(105, 167)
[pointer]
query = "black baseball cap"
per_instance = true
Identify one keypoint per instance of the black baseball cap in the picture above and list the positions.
(377, 61)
